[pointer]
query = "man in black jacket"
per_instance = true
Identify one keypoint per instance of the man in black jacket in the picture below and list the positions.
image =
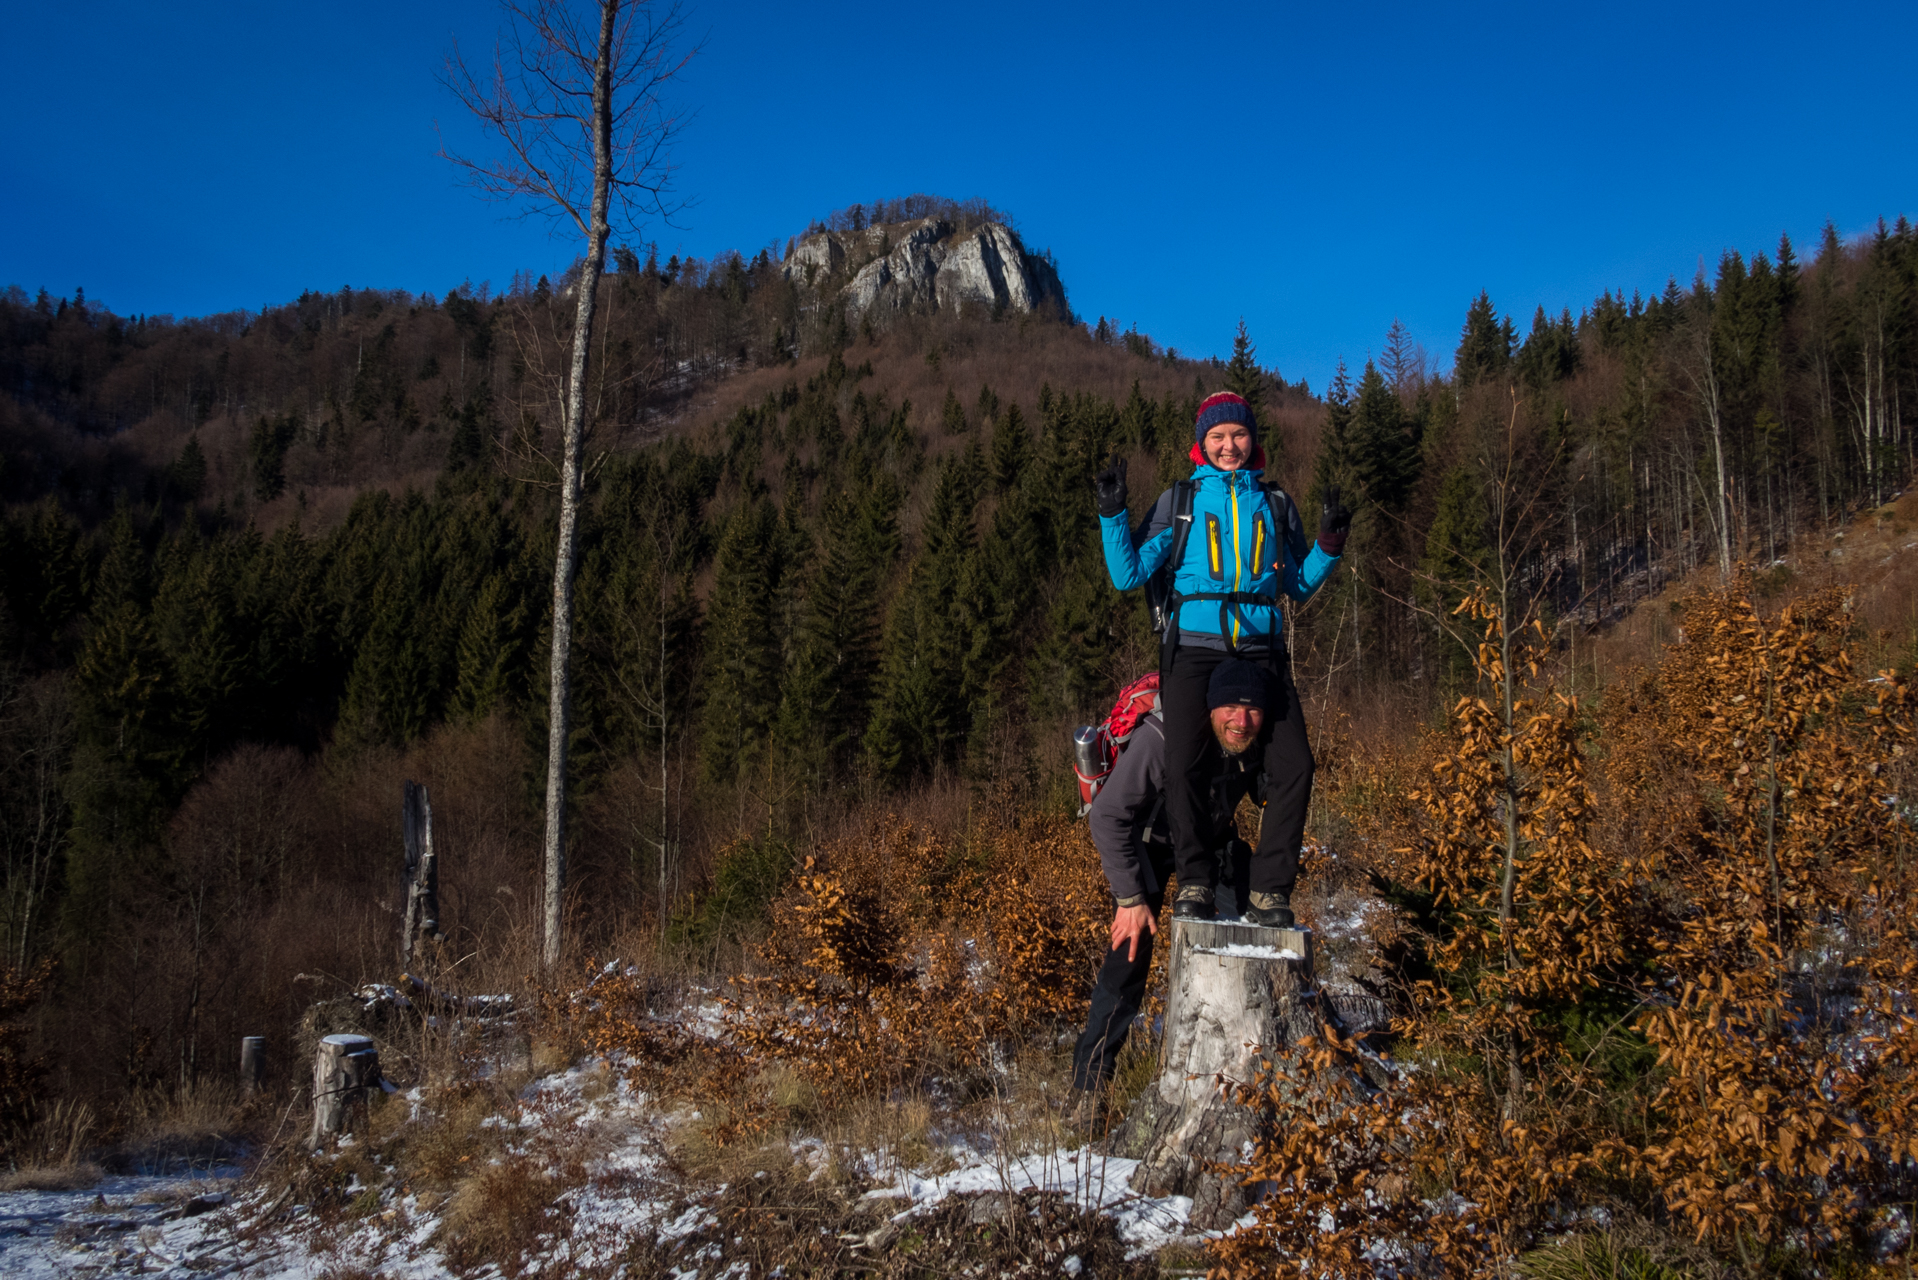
(1128, 824)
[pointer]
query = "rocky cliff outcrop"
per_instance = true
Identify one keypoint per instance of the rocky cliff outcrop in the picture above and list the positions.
(884, 271)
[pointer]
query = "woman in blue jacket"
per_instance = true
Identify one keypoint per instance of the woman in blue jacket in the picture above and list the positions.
(1232, 548)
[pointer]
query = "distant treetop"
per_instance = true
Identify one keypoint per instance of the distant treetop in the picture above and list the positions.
(963, 214)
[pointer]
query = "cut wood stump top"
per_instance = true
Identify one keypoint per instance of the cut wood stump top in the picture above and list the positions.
(1239, 940)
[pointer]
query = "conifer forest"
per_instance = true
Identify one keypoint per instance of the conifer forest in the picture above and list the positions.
(837, 576)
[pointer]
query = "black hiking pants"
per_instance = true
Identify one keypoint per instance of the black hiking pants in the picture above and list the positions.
(1287, 766)
(1117, 994)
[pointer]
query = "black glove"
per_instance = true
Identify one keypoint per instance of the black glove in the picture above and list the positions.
(1334, 523)
(1109, 486)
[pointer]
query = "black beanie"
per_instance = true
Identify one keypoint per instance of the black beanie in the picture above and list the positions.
(1236, 682)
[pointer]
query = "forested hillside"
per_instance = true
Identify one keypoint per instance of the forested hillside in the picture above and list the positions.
(257, 568)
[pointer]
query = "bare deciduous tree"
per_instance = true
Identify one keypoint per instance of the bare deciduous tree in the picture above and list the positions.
(36, 750)
(1698, 361)
(579, 106)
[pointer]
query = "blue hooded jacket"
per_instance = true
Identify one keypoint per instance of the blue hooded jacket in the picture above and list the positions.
(1232, 548)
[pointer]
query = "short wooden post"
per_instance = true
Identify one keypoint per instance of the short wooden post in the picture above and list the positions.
(344, 1067)
(1234, 992)
(422, 883)
(252, 1064)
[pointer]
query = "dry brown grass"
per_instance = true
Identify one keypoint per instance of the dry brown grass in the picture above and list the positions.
(500, 1213)
(162, 1130)
(77, 1176)
(450, 1139)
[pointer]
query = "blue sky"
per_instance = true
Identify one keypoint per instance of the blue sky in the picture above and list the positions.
(1317, 169)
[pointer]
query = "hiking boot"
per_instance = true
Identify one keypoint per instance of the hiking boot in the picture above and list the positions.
(1269, 910)
(1087, 1110)
(1193, 903)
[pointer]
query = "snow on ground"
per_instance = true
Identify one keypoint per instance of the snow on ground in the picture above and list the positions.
(204, 1225)
(1088, 1179)
(124, 1224)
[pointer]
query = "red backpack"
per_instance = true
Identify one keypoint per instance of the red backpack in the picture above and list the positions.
(1096, 748)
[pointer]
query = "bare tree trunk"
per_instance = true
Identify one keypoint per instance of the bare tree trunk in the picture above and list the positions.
(565, 560)
(422, 919)
(665, 806)
(1718, 450)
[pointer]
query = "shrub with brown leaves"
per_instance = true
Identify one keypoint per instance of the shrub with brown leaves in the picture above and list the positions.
(892, 956)
(1726, 898)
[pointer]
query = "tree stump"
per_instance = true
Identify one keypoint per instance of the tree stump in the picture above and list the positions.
(252, 1064)
(344, 1068)
(1235, 992)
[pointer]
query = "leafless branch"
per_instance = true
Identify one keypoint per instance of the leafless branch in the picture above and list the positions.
(536, 95)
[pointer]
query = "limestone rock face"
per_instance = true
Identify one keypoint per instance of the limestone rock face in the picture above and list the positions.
(988, 266)
(823, 254)
(903, 279)
(921, 267)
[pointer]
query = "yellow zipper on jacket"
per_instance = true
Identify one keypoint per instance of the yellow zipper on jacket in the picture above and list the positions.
(1238, 553)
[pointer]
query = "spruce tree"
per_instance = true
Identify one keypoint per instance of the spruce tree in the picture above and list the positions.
(793, 551)
(49, 581)
(186, 476)
(126, 688)
(1485, 345)
(953, 417)
(1787, 270)
(923, 710)
(1455, 547)
(267, 451)
(125, 768)
(1550, 353)
(1334, 465)
(491, 649)
(1242, 373)
(741, 692)
(1455, 558)
(827, 693)
(207, 645)
(467, 445)
(1011, 449)
(987, 409)
(1066, 673)
(297, 667)
(1401, 361)
(125, 572)
(390, 689)
(1384, 445)
(1137, 421)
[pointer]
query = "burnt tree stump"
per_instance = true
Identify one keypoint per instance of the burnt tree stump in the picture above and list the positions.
(1235, 993)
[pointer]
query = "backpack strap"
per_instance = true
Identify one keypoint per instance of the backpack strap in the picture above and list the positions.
(1159, 591)
(1181, 521)
(1287, 524)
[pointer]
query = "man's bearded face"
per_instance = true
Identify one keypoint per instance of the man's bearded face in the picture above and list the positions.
(1236, 726)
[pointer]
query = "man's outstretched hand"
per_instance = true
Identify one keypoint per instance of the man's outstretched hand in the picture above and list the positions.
(1109, 486)
(1334, 523)
(1129, 924)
